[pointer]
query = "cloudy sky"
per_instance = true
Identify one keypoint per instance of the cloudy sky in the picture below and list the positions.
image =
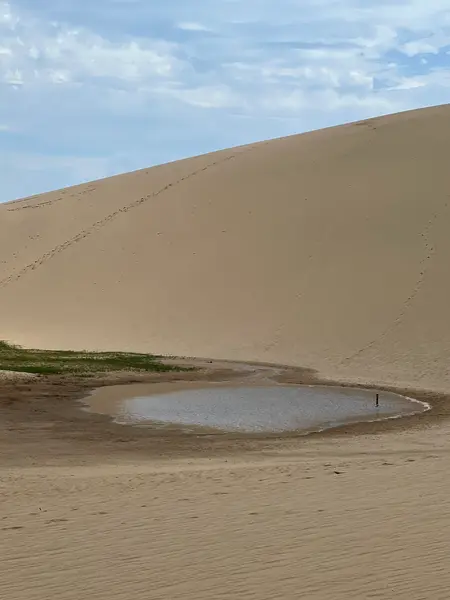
(89, 88)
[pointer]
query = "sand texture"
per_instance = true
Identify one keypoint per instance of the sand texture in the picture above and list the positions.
(346, 519)
(328, 250)
(94, 509)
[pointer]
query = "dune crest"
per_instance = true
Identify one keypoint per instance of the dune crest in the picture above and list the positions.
(326, 250)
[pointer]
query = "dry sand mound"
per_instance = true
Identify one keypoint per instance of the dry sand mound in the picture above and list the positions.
(327, 250)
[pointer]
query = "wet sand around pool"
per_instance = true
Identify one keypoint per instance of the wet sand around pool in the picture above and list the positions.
(86, 501)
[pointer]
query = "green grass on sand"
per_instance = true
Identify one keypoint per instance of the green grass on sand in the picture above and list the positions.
(61, 362)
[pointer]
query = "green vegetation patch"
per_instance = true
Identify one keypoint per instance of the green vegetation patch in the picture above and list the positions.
(54, 362)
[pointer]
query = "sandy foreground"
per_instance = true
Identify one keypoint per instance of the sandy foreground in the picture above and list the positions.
(94, 509)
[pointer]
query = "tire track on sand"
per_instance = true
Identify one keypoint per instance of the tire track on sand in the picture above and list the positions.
(102, 223)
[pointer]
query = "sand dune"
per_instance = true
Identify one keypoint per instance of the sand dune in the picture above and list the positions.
(327, 250)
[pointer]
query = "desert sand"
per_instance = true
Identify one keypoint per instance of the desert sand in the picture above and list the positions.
(284, 525)
(327, 252)
(91, 508)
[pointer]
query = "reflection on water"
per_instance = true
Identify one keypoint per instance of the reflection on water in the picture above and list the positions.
(261, 409)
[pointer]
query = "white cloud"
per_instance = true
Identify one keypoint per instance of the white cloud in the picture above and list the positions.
(111, 77)
(7, 17)
(430, 45)
(320, 51)
(409, 84)
(219, 96)
(13, 77)
(192, 26)
(61, 54)
(84, 54)
(436, 77)
(419, 47)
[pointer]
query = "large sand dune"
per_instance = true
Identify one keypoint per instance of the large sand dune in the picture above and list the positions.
(328, 250)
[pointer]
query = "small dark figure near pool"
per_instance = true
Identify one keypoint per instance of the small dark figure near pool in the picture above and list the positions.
(377, 401)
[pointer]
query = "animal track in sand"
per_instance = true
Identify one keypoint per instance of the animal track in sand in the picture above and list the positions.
(424, 266)
(97, 225)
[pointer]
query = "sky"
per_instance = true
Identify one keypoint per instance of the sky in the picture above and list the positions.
(91, 88)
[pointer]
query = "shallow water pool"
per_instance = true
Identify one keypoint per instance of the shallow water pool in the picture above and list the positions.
(278, 408)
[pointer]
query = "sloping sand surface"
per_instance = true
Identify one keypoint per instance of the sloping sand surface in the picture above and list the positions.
(346, 519)
(327, 250)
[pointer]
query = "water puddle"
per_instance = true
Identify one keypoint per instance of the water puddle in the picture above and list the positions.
(252, 409)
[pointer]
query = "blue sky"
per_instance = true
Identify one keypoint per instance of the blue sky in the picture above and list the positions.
(93, 88)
